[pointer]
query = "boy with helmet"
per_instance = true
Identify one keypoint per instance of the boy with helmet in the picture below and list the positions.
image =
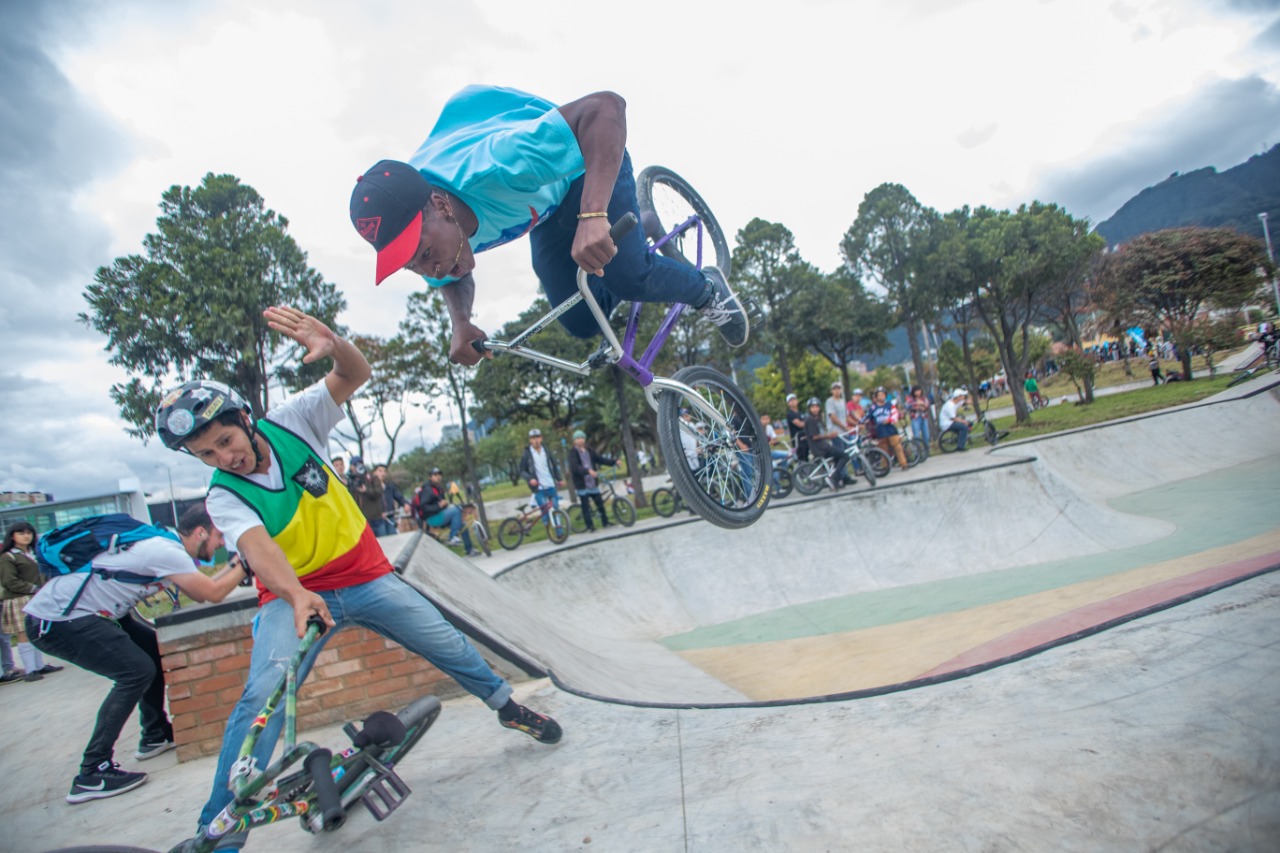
(819, 438)
(284, 510)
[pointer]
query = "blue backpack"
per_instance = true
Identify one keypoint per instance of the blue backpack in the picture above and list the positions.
(71, 549)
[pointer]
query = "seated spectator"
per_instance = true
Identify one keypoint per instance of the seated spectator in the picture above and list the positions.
(437, 511)
(949, 419)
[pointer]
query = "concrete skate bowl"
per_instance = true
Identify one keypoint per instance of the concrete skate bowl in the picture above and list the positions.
(872, 591)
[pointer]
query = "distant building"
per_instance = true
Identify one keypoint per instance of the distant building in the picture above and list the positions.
(45, 515)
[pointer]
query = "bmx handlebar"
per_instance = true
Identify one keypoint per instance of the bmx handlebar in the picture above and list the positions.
(619, 230)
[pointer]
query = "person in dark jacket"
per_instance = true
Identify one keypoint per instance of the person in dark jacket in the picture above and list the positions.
(583, 467)
(539, 469)
(436, 511)
(20, 578)
(392, 500)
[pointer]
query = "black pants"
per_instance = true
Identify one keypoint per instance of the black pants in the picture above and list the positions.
(586, 509)
(125, 652)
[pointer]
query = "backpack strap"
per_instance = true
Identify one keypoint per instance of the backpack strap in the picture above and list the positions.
(112, 575)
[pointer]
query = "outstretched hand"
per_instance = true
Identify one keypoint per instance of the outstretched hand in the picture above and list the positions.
(301, 327)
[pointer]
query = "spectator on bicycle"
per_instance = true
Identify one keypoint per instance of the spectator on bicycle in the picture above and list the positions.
(854, 411)
(837, 416)
(88, 620)
(918, 409)
(583, 467)
(1032, 387)
(795, 426)
(541, 471)
(776, 449)
(882, 417)
(819, 435)
(500, 164)
(311, 548)
(438, 511)
(949, 419)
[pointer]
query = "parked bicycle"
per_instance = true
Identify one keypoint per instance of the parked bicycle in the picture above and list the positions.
(949, 442)
(513, 530)
(732, 482)
(619, 507)
(326, 785)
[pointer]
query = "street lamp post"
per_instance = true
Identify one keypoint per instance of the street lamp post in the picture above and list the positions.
(173, 505)
(1275, 285)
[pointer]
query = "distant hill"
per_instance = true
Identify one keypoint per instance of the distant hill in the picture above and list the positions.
(1232, 199)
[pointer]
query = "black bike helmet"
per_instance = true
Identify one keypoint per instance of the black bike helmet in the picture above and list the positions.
(813, 401)
(189, 408)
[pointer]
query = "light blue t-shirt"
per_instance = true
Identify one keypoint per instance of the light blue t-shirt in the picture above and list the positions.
(509, 155)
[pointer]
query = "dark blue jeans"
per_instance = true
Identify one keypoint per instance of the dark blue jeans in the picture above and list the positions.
(634, 274)
(125, 652)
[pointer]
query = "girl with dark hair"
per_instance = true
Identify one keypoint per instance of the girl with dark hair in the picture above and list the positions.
(19, 579)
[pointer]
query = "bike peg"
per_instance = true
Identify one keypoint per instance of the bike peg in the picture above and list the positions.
(623, 226)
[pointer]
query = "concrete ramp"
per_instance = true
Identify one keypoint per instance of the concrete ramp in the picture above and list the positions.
(869, 591)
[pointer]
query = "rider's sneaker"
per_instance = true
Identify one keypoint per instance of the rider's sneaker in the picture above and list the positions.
(150, 748)
(724, 309)
(107, 780)
(537, 726)
(454, 540)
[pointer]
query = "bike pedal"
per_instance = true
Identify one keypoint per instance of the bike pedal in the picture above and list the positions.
(601, 357)
(385, 794)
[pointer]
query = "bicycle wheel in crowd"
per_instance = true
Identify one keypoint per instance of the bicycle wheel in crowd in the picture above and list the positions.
(577, 521)
(911, 449)
(666, 200)
(866, 468)
(558, 527)
(664, 502)
(730, 485)
(949, 441)
(480, 537)
(510, 533)
(624, 512)
(878, 462)
(808, 477)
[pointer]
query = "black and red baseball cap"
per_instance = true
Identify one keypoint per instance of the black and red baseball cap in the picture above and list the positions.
(386, 209)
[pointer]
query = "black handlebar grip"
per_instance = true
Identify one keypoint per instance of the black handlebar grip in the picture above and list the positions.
(383, 728)
(622, 226)
(314, 619)
(479, 346)
(328, 800)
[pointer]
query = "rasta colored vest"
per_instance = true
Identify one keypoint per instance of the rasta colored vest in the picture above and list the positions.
(313, 517)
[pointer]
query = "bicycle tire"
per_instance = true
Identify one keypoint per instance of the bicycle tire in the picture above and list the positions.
(732, 485)
(577, 520)
(659, 210)
(878, 462)
(865, 464)
(624, 512)
(558, 527)
(911, 450)
(510, 533)
(949, 442)
(806, 480)
(480, 537)
(664, 502)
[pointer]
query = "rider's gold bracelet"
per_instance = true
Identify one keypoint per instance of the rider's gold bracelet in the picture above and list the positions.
(596, 215)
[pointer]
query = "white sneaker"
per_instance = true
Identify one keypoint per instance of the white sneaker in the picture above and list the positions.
(724, 309)
(454, 540)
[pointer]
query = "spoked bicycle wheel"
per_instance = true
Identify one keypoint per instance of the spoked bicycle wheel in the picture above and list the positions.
(558, 528)
(865, 468)
(666, 200)
(510, 533)
(878, 461)
(808, 477)
(733, 479)
(664, 502)
(781, 482)
(624, 512)
(912, 449)
(480, 537)
(577, 521)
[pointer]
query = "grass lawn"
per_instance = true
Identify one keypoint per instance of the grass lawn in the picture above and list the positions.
(1058, 416)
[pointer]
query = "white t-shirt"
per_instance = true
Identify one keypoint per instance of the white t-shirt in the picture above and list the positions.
(950, 411)
(837, 414)
(310, 415)
(542, 468)
(158, 557)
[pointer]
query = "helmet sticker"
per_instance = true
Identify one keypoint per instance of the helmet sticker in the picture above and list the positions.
(180, 422)
(201, 393)
(171, 397)
(212, 409)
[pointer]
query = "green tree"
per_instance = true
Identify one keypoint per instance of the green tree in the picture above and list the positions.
(768, 269)
(841, 319)
(1164, 280)
(191, 305)
(811, 376)
(884, 245)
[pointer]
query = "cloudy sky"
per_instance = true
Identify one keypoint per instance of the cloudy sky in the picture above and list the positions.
(790, 112)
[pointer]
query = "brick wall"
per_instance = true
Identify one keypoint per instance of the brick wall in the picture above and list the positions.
(357, 673)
